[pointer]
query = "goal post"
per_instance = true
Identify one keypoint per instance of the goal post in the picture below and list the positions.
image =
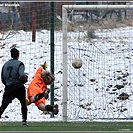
(99, 56)
(64, 24)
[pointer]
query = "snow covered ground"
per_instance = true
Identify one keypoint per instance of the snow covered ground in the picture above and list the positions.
(116, 44)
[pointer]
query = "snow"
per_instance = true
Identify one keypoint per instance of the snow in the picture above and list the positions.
(33, 53)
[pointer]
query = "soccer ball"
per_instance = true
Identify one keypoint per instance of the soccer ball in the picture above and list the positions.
(77, 63)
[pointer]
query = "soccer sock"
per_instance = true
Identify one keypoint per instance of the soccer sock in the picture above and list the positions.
(49, 108)
(38, 97)
(0, 112)
(28, 102)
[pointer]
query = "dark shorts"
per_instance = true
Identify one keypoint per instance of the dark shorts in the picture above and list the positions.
(14, 91)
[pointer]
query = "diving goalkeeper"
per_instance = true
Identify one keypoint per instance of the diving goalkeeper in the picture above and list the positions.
(38, 91)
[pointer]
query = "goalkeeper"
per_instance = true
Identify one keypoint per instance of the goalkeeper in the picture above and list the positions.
(38, 91)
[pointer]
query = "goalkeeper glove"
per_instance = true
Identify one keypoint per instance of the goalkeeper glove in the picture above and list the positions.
(46, 94)
(44, 65)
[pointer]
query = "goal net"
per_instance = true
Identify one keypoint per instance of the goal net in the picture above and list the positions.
(27, 26)
(101, 35)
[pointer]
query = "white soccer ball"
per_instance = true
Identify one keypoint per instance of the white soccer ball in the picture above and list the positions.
(77, 63)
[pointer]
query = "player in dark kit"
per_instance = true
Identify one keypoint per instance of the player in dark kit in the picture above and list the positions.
(14, 78)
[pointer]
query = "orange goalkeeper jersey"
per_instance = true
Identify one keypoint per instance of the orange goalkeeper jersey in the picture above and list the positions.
(36, 86)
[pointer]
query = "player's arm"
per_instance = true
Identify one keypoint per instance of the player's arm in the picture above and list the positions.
(22, 76)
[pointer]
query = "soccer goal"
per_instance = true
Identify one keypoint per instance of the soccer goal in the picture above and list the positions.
(101, 36)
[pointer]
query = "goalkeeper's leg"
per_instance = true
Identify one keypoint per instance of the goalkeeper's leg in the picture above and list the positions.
(37, 97)
(34, 98)
(48, 108)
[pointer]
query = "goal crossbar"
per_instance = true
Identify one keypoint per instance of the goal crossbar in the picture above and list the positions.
(89, 7)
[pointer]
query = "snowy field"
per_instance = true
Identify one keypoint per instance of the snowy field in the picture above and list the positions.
(116, 46)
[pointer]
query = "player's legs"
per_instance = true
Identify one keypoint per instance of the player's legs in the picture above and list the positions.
(21, 95)
(48, 108)
(34, 99)
(8, 96)
(37, 97)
